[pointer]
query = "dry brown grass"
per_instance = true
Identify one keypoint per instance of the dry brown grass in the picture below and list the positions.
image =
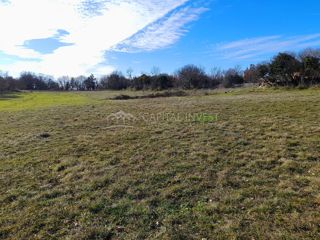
(253, 174)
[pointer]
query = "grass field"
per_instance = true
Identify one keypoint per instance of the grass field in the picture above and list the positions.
(37, 100)
(69, 172)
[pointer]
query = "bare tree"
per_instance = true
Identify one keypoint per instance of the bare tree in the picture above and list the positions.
(129, 73)
(64, 83)
(309, 52)
(155, 71)
(79, 82)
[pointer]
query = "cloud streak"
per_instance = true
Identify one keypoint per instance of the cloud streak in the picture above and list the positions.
(162, 33)
(258, 47)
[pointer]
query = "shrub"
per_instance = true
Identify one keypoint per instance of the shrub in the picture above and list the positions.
(162, 81)
(114, 81)
(232, 77)
(284, 69)
(191, 76)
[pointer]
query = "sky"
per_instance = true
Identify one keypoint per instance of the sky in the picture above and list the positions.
(80, 37)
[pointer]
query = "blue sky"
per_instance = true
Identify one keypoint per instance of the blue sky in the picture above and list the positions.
(100, 36)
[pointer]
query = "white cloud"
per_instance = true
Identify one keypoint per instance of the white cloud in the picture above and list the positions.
(256, 47)
(94, 27)
(162, 33)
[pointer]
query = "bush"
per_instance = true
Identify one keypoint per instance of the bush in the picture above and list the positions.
(152, 95)
(142, 82)
(232, 77)
(284, 70)
(114, 81)
(191, 76)
(162, 81)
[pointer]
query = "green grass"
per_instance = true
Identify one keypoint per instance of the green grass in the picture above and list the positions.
(254, 173)
(40, 100)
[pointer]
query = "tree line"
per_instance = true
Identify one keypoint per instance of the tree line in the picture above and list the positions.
(284, 69)
(287, 69)
(188, 77)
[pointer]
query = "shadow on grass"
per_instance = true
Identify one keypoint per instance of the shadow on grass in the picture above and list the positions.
(9, 96)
